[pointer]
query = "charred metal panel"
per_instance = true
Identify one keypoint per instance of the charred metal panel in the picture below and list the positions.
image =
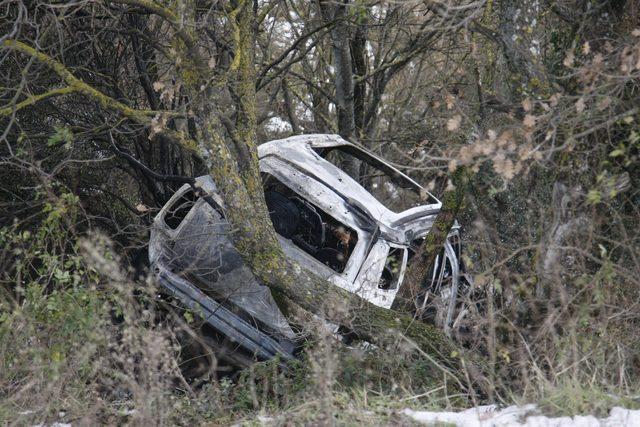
(194, 259)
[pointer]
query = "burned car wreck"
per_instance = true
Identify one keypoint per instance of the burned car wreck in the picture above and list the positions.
(357, 234)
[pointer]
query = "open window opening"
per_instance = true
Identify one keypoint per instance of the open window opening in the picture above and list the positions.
(392, 269)
(307, 226)
(178, 211)
(390, 187)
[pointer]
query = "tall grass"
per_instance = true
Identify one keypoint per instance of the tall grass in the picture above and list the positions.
(82, 342)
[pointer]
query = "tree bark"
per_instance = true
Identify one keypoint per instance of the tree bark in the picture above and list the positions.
(343, 68)
(425, 258)
(359, 58)
(343, 78)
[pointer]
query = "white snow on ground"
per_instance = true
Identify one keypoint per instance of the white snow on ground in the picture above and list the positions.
(523, 416)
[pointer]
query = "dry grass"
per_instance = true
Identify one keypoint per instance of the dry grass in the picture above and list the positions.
(81, 342)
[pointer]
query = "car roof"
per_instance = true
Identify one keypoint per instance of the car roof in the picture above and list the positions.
(298, 151)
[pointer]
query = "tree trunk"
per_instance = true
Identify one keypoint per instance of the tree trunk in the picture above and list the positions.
(418, 270)
(343, 77)
(343, 68)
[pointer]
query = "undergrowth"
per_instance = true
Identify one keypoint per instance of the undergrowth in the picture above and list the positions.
(82, 342)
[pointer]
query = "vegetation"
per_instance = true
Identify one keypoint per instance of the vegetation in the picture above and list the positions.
(522, 115)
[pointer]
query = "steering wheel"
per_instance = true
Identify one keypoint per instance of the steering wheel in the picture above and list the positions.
(310, 233)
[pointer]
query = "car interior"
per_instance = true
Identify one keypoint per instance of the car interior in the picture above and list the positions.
(307, 226)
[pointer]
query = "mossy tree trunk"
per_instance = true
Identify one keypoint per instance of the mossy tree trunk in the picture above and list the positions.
(425, 258)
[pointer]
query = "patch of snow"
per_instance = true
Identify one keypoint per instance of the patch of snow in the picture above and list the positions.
(523, 416)
(264, 419)
(276, 124)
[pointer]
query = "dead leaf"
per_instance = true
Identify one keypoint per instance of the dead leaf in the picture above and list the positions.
(636, 32)
(450, 101)
(158, 86)
(529, 121)
(466, 154)
(168, 94)
(548, 135)
(568, 60)
(604, 103)
(626, 60)
(158, 123)
(142, 208)
(526, 105)
(509, 170)
(598, 59)
(580, 105)
(453, 123)
(586, 48)
(487, 148)
(450, 186)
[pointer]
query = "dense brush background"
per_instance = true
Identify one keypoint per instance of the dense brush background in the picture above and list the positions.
(539, 98)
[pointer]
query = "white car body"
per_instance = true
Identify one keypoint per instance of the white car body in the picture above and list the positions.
(327, 222)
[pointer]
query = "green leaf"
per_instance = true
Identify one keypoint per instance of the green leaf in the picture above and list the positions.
(497, 286)
(594, 196)
(603, 251)
(188, 316)
(62, 134)
(61, 276)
